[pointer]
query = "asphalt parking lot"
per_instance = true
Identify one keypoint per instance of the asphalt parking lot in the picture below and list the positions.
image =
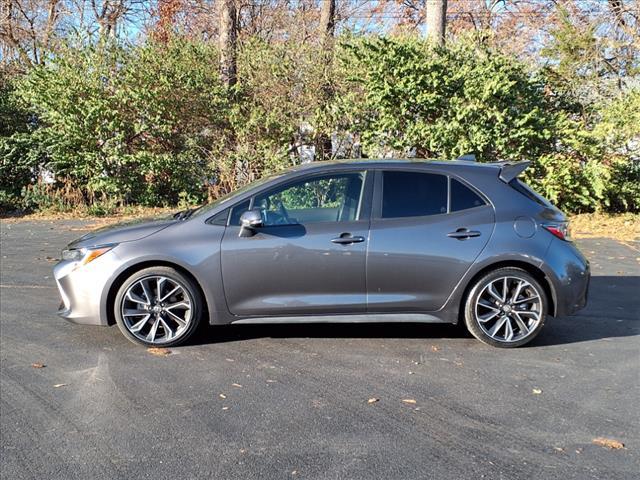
(293, 401)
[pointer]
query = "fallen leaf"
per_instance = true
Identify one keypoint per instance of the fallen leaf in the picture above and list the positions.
(271, 381)
(225, 408)
(38, 365)
(159, 351)
(222, 395)
(434, 348)
(537, 391)
(559, 449)
(229, 359)
(237, 385)
(373, 400)
(410, 373)
(58, 385)
(608, 443)
(409, 400)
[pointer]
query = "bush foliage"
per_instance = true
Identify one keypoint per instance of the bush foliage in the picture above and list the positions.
(151, 124)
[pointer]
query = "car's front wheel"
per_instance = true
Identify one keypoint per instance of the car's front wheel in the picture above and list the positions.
(158, 307)
(506, 308)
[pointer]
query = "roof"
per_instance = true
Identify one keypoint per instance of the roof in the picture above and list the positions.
(399, 161)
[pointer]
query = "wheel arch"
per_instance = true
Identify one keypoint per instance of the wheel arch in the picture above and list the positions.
(531, 269)
(131, 269)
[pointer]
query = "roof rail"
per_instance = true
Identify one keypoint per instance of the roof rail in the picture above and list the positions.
(469, 157)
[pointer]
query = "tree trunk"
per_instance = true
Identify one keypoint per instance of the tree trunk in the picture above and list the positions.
(327, 21)
(436, 20)
(324, 149)
(227, 39)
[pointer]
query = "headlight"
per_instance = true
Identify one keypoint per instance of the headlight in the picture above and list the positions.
(85, 255)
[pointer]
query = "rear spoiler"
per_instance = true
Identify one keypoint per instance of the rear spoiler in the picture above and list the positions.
(509, 171)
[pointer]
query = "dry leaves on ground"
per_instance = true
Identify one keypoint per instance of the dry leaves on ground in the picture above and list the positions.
(222, 395)
(608, 443)
(58, 385)
(410, 401)
(592, 225)
(159, 351)
(537, 391)
(237, 385)
(373, 400)
(38, 365)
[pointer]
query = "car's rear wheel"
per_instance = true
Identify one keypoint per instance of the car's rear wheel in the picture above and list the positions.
(506, 308)
(158, 307)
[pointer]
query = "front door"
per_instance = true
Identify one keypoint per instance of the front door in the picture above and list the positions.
(421, 243)
(309, 257)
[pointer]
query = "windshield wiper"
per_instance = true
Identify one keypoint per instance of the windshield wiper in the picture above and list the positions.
(184, 214)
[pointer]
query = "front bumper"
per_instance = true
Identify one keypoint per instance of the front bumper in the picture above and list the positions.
(82, 289)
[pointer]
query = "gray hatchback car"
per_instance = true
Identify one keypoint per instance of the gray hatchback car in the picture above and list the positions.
(352, 241)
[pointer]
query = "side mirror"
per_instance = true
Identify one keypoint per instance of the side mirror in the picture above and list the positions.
(249, 221)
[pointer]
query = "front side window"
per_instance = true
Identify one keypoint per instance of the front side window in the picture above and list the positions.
(413, 194)
(330, 198)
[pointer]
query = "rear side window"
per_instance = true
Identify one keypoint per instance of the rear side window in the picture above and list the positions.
(462, 197)
(413, 194)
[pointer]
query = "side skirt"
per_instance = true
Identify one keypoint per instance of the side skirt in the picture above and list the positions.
(355, 318)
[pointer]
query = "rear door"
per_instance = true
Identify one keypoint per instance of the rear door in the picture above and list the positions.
(427, 229)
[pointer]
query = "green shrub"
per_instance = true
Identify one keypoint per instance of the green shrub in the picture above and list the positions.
(445, 102)
(129, 124)
(623, 190)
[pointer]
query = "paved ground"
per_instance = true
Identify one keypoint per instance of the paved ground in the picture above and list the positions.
(291, 401)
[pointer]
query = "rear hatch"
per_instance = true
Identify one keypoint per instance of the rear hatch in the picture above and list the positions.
(553, 219)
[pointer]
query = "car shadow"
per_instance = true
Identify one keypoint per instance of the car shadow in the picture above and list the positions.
(613, 310)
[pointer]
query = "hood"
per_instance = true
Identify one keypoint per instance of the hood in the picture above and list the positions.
(123, 232)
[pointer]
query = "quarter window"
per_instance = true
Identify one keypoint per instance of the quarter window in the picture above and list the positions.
(413, 194)
(462, 197)
(237, 211)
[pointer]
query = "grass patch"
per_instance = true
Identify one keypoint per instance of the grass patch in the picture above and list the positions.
(101, 215)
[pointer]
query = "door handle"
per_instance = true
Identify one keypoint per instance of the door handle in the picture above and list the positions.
(463, 234)
(347, 239)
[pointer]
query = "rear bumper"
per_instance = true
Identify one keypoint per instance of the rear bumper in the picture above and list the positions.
(570, 276)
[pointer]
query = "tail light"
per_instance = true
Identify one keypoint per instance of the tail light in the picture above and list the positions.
(561, 231)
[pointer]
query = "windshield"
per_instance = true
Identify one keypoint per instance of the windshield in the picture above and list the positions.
(204, 209)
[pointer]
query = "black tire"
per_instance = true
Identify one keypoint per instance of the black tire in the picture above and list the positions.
(191, 293)
(474, 324)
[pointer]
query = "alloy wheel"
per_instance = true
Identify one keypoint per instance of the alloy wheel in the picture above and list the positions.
(157, 309)
(508, 309)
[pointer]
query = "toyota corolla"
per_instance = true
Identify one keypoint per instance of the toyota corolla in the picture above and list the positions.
(353, 241)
